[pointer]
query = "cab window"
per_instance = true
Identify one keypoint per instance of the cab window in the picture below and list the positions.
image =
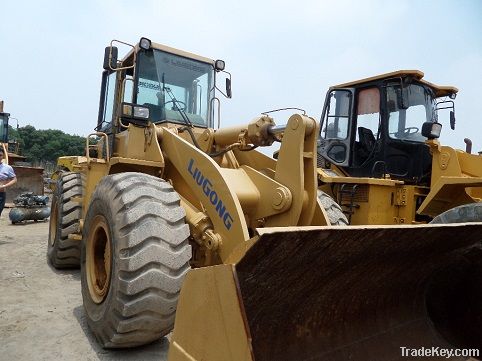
(405, 122)
(368, 112)
(107, 112)
(337, 115)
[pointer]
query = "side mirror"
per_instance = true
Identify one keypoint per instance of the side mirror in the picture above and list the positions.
(228, 88)
(452, 120)
(110, 58)
(431, 130)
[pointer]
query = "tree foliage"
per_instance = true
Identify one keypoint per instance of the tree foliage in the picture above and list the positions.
(46, 145)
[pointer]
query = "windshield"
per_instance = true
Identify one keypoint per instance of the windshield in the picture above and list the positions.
(173, 86)
(406, 124)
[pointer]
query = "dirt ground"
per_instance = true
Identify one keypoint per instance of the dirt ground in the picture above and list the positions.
(41, 313)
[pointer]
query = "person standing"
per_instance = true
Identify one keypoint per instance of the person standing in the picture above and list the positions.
(7, 179)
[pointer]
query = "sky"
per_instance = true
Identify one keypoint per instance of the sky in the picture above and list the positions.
(280, 53)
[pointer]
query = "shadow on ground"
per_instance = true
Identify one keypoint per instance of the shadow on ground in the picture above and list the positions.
(154, 351)
(72, 272)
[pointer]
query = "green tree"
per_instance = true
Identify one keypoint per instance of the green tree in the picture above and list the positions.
(46, 145)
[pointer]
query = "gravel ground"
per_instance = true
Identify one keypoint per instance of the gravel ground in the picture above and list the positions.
(41, 313)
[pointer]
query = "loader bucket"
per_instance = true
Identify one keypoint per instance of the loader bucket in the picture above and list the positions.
(336, 293)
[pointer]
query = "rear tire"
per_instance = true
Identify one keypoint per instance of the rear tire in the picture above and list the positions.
(332, 209)
(135, 255)
(64, 219)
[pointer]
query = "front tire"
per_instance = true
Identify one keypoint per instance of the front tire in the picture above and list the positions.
(135, 255)
(63, 252)
(471, 212)
(332, 209)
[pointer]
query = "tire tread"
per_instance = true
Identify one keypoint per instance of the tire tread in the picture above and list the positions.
(151, 239)
(333, 210)
(65, 253)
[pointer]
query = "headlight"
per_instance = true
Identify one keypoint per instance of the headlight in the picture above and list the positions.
(145, 43)
(141, 112)
(219, 65)
(135, 114)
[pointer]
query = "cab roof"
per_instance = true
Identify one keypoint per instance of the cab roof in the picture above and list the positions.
(439, 90)
(171, 50)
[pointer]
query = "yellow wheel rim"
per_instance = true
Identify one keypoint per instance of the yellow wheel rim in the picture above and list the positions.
(98, 259)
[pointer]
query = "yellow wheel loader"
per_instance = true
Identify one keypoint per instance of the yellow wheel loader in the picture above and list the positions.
(187, 226)
(379, 157)
(65, 164)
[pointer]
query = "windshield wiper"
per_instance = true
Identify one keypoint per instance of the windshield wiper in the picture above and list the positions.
(176, 102)
(173, 98)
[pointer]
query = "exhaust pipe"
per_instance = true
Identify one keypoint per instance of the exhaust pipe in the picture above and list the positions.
(468, 145)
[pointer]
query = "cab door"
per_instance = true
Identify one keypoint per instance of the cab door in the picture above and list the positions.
(407, 156)
(334, 142)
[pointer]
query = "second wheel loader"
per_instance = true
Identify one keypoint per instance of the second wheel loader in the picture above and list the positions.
(379, 157)
(181, 225)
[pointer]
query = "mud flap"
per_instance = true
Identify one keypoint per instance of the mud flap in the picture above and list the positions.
(338, 293)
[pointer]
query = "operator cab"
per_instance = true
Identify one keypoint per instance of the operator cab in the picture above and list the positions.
(154, 83)
(373, 127)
